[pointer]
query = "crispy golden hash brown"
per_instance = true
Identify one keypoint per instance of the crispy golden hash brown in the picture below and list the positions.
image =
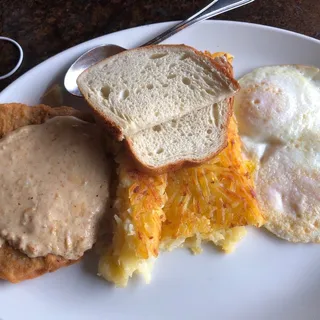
(210, 202)
(137, 226)
(15, 266)
(213, 201)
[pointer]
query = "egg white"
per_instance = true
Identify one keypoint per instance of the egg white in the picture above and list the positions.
(279, 103)
(278, 112)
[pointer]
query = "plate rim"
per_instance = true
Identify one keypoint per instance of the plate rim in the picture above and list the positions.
(248, 24)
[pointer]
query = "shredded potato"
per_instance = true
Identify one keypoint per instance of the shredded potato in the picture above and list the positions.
(219, 54)
(206, 202)
(211, 202)
(137, 226)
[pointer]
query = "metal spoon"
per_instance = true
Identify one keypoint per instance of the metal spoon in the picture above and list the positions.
(99, 53)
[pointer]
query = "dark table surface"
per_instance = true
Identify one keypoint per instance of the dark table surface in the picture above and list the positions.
(45, 27)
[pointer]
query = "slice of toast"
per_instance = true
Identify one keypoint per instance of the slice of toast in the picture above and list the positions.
(140, 88)
(190, 140)
(171, 103)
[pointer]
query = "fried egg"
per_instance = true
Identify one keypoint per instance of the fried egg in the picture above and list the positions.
(278, 113)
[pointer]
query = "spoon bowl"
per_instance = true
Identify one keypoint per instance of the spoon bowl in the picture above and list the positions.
(86, 60)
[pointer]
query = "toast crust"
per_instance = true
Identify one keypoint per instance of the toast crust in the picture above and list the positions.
(116, 130)
(16, 266)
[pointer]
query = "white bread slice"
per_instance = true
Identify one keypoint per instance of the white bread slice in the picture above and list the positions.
(140, 88)
(189, 140)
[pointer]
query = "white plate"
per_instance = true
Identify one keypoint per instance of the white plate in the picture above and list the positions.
(265, 278)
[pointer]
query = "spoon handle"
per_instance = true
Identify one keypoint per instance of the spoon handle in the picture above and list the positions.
(214, 8)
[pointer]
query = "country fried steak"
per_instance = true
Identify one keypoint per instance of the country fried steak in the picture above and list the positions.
(16, 266)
